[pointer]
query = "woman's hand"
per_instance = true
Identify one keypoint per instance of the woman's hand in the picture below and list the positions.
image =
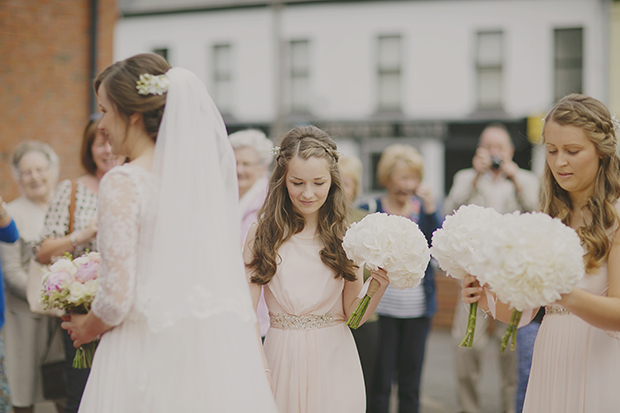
(83, 328)
(89, 232)
(428, 199)
(381, 276)
(471, 291)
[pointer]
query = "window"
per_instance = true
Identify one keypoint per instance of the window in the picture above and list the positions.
(222, 77)
(299, 71)
(389, 73)
(163, 52)
(568, 51)
(489, 70)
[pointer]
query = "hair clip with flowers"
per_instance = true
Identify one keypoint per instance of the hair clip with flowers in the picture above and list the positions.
(616, 125)
(152, 85)
(275, 150)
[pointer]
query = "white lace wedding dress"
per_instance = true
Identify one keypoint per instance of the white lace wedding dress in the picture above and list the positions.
(138, 370)
(172, 277)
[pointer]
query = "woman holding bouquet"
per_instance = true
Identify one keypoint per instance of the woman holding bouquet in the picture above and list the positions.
(311, 288)
(576, 362)
(173, 309)
(404, 315)
(56, 238)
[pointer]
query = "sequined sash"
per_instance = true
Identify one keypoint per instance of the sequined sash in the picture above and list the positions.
(556, 310)
(300, 322)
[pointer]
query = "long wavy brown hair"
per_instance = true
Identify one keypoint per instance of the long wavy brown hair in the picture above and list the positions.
(594, 119)
(278, 221)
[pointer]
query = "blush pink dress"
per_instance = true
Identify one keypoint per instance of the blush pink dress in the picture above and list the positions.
(311, 352)
(575, 367)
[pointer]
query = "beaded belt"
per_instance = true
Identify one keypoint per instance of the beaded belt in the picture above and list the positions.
(556, 309)
(300, 322)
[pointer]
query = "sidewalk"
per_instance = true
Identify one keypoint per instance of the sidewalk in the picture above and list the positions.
(439, 381)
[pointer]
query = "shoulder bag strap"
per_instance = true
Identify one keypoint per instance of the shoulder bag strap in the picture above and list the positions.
(72, 206)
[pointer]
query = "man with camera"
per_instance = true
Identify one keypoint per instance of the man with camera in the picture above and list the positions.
(494, 181)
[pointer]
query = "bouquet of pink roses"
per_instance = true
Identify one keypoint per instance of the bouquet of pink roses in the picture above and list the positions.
(71, 285)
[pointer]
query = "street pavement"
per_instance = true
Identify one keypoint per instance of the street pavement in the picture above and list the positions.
(438, 380)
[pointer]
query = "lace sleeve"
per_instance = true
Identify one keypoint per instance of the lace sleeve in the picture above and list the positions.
(117, 239)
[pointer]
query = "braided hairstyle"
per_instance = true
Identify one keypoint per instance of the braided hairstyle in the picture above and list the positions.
(594, 119)
(120, 80)
(278, 221)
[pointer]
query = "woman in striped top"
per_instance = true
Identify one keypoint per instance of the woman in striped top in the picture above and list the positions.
(404, 316)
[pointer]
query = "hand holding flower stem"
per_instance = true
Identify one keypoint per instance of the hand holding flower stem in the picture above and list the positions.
(470, 282)
(356, 318)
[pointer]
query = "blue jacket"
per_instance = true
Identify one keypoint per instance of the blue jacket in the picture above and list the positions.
(7, 234)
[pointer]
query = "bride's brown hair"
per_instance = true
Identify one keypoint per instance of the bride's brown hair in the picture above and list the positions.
(594, 119)
(120, 80)
(278, 221)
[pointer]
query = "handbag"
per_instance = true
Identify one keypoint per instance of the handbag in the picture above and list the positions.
(53, 373)
(36, 270)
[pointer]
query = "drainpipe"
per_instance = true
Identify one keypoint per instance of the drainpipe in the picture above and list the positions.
(94, 16)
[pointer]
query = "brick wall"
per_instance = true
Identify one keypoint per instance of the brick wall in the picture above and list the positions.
(448, 295)
(45, 77)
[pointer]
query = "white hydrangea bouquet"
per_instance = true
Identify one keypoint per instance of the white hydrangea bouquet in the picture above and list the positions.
(390, 242)
(529, 262)
(71, 284)
(454, 246)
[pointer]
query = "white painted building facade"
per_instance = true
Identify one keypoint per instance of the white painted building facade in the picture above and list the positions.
(378, 72)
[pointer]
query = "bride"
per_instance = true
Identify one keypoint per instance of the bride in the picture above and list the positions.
(173, 307)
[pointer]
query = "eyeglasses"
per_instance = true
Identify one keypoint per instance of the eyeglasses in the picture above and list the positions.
(247, 164)
(29, 173)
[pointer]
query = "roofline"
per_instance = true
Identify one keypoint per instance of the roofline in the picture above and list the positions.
(240, 5)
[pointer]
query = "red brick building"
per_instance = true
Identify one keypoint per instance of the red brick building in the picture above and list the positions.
(46, 75)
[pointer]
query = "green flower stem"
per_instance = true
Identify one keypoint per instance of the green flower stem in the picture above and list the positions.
(84, 355)
(468, 340)
(513, 344)
(356, 318)
(511, 331)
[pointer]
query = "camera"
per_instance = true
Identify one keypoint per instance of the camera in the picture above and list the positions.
(496, 162)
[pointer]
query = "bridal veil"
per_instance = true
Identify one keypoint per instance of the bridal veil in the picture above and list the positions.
(202, 352)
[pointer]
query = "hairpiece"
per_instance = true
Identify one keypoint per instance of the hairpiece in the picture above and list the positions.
(616, 124)
(152, 85)
(275, 150)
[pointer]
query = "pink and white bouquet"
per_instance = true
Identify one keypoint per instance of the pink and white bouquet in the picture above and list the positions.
(390, 242)
(71, 285)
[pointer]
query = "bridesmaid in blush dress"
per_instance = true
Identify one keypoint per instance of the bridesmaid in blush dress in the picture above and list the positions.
(576, 362)
(311, 288)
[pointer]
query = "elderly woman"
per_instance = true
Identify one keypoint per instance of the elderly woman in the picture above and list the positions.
(253, 154)
(8, 233)
(55, 239)
(35, 167)
(404, 316)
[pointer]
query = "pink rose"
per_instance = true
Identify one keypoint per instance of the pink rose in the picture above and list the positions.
(87, 271)
(57, 281)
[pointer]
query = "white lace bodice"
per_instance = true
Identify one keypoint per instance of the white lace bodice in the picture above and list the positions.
(123, 193)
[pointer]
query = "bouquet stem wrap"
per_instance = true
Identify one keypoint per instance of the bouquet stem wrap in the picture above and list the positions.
(511, 331)
(84, 356)
(358, 314)
(468, 340)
